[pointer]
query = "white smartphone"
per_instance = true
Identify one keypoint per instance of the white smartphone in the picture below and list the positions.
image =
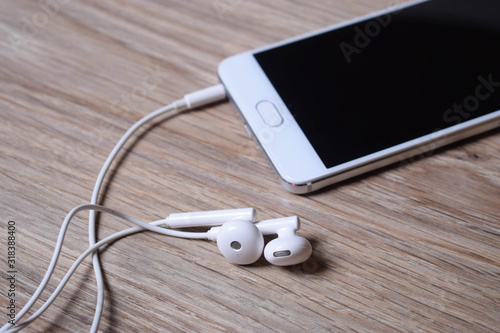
(354, 97)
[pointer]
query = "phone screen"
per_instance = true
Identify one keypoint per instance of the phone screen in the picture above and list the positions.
(390, 79)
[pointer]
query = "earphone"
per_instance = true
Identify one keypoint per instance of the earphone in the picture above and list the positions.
(239, 237)
(241, 240)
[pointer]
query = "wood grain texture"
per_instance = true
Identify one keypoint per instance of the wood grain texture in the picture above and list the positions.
(414, 247)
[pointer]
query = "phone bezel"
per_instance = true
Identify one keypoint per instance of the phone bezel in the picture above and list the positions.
(301, 170)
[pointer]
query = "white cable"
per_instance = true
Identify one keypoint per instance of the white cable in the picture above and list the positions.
(153, 226)
(95, 195)
(190, 101)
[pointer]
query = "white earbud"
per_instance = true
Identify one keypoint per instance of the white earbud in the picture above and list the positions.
(241, 241)
(288, 249)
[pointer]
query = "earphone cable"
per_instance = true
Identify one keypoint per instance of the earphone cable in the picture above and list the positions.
(95, 195)
(193, 100)
(152, 226)
(190, 101)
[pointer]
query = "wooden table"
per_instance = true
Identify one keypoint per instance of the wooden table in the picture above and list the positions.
(412, 247)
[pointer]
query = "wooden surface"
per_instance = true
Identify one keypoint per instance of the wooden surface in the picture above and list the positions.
(412, 247)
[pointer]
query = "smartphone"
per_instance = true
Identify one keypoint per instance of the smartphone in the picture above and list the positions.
(353, 97)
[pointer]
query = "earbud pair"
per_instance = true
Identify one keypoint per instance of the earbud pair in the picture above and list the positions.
(241, 240)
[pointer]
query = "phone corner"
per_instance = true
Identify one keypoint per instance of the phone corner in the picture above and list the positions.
(295, 186)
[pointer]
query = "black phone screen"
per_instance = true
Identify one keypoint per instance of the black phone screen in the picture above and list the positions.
(390, 79)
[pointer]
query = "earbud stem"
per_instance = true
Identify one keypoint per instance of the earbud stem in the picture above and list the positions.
(279, 226)
(209, 218)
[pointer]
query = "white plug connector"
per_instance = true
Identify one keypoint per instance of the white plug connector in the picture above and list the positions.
(202, 97)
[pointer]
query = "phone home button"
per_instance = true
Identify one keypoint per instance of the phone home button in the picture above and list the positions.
(269, 113)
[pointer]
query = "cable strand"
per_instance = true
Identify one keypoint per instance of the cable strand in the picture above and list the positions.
(193, 100)
(95, 195)
(152, 226)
